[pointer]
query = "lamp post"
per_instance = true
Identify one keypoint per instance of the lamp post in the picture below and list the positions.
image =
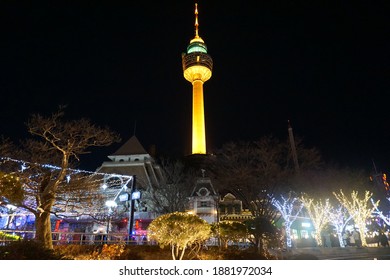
(111, 204)
(133, 195)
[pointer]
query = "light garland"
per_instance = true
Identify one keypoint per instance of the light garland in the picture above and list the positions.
(339, 218)
(286, 208)
(25, 165)
(73, 175)
(358, 208)
(380, 213)
(318, 212)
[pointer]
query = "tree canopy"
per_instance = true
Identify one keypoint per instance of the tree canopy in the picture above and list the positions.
(179, 230)
(45, 181)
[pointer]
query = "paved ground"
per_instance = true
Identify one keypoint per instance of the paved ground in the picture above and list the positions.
(349, 253)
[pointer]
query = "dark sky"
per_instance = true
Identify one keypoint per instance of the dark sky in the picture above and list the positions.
(324, 65)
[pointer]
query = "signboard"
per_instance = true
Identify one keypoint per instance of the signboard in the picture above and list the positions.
(124, 197)
(136, 195)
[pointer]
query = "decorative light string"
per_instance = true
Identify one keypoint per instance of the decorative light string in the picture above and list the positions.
(24, 165)
(122, 180)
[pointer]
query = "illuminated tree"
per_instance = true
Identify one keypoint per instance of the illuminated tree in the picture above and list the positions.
(57, 142)
(289, 208)
(318, 212)
(261, 232)
(172, 192)
(179, 230)
(11, 186)
(254, 171)
(379, 213)
(339, 218)
(229, 231)
(360, 208)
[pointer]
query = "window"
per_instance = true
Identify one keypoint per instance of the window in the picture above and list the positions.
(304, 234)
(204, 204)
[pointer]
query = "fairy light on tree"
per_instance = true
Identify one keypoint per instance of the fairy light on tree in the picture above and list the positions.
(359, 208)
(318, 212)
(80, 192)
(379, 213)
(179, 231)
(59, 141)
(289, 208)
(339, 218)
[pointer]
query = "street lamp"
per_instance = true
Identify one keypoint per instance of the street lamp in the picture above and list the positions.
(125, 196)
(111, 204)
(133, 196)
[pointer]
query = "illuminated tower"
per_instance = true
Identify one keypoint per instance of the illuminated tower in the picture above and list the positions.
(197, 67)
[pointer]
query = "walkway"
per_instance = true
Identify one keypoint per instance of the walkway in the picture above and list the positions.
(337, 253)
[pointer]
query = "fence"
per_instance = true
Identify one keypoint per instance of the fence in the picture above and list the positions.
(63, 238)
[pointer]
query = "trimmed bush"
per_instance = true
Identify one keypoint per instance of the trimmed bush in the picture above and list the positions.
(27, 250)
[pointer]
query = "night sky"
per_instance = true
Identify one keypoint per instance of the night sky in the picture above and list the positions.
(323, 65)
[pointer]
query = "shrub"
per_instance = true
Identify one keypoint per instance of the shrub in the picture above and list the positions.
(27, 250)
(9, 237)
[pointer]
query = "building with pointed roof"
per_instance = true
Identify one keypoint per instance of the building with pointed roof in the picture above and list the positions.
(133, 160)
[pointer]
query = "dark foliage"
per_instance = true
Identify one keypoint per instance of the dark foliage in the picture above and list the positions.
(28, 250)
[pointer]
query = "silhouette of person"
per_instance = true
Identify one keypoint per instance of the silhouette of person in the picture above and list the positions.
(383, 239)
(356, 236)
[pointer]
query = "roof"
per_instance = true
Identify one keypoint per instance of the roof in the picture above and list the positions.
(131, 147)
(203, 183)
(145, 177)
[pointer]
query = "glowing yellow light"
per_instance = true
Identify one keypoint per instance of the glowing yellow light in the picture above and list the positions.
(359, 207)
(197, 70)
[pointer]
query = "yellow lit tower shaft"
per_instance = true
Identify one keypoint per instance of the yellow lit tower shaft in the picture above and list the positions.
(197, 68)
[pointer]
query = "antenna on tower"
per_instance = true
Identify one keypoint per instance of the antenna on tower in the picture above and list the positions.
(373, 163)
(293, 147)
(196, 21)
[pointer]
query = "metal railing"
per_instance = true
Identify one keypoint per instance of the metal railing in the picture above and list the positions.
(67, 238)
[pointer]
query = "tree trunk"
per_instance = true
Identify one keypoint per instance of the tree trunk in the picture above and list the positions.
(43, 229)
(288, 236)
(173, 252)
(259, 245)
(182, 253)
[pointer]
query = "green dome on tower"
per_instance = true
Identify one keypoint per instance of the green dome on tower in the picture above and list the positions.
(197, 46)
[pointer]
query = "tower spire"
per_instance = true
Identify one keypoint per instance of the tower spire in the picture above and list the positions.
(197, 37)
(196, 21)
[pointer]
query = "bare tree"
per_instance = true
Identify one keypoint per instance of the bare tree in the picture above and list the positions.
(256, 171)
(50, 154)
(322, 182)
(173, 192)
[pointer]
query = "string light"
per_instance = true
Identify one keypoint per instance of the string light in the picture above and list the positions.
(65, 202)
(379, 213)
(339, 218)
(318, 212)
(286, 208)
(25, 165)
(358, 208)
